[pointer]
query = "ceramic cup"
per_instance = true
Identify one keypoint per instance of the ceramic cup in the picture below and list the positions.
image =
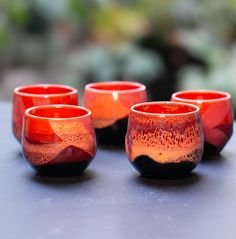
(25, 97)
(164, 139)
(110, 103)
(58, 140)
(216, 114)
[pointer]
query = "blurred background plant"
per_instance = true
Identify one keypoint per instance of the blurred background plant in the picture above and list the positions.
(167, 45)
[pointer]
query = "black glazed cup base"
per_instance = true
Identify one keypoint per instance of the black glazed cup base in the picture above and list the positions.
(169, 176)
(148, 168)
(113, 135)
(209, 150)
(62, 169)
(110, 143)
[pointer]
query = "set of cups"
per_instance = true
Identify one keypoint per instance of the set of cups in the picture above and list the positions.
(163, 139)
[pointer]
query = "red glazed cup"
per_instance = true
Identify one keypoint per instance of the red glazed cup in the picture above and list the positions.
(110, 103)
(164, 139)
(216, 114)
(25, 97)
(58, 140)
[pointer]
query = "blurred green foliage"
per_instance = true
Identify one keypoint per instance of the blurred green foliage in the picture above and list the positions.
(37, 32)
(16, 11)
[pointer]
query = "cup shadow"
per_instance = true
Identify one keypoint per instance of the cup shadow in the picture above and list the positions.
(19, 155)
(213, 158)
(192, 178)
(86, 176)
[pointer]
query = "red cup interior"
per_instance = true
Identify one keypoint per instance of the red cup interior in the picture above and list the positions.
(165, 108)
(58, 112)
(201, 95)
(45, 90)
(115, 86)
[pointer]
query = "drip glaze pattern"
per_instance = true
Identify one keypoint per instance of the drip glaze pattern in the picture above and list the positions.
(49, 142)
(167, 138)
(216, 114)
(110, 103)
(25, 97)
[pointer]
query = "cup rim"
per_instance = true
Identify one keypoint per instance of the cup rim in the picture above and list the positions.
(225, 96)
(140, 87)
(28, 114)
(18, 89)
(196, 109)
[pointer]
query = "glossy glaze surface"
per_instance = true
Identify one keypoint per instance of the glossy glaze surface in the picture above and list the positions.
(216, 114)
(58, 140)
(164, 139)
(110, 103)
(33, 95)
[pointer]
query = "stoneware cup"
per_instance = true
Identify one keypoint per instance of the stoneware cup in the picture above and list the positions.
(110, 103)
(216, 114)
(58, 140)
(164, 139)
(25, 97)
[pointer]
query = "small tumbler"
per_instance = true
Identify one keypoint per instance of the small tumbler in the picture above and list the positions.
(164, 139)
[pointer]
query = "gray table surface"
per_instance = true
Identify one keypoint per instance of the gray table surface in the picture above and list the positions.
(112, 201)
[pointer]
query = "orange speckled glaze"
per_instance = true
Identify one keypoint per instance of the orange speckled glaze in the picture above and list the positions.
(111, 101)
(58, 135)
(216, 114)
(25, 97)
(165, 133)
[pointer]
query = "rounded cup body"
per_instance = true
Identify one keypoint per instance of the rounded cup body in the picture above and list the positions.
(164, 139)
(58, 140)
(25, 97)
(216, 114)
(110, 103)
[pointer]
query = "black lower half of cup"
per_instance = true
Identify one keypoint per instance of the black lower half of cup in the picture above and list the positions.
(71, 161)
(149, 168)
(217, 143)
(113, 135)
(209, 149)
(62, 169)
